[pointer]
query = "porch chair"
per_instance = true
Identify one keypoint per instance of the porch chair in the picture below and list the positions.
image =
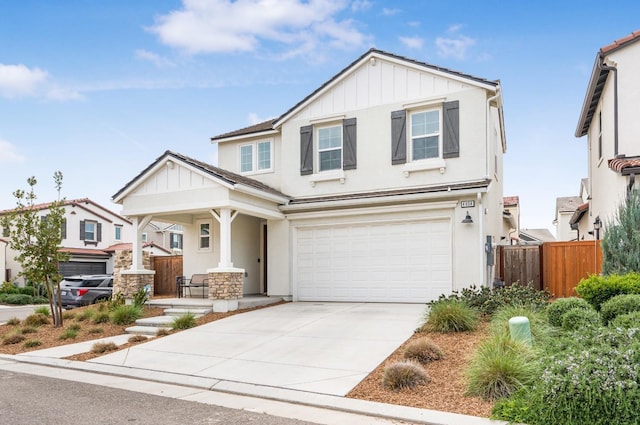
(198, 280)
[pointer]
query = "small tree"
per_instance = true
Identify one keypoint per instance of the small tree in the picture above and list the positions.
(37, 240)
(621, 242)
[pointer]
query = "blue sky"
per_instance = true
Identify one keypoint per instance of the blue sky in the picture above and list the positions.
(99, 90)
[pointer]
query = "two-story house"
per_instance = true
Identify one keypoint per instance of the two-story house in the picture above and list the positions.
(609, 120)
(88, 232)
(384, 184)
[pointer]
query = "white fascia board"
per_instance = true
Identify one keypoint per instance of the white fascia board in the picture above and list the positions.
(400, 199)
(445, 205)
(261, 194)
(255, 211)
(267, 133)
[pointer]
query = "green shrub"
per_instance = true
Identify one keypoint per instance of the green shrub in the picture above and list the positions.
(36, 319)
(125, 314)
(46, 310)
(499, 368)
(487, 301)
(101, 317)
(8, 288)
(68, 315)
(32, 343)
(579, 318)
(28, 330)
(14, 338)
(17, 299)
(423, 351)
(97, 330)
(40, 300)
(620, 304)
(627, 320)
(27, 290)
(137, 338)
(14, 321)
(450, 315)
(185, 321)
(103, 347)
(538, 323)
(116, 301)
(598, 289)
(559, 307)
(621, 242)
(69, 333)
(402, 375)
(514, 409)
(140, 297)
(86, 314)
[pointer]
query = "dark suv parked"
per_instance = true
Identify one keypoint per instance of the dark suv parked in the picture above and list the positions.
(78, 291)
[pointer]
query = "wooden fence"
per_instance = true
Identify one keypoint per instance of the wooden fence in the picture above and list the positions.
(167, 268)
(566, 263)
(554, 266)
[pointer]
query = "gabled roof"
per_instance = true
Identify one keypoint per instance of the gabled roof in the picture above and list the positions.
(371, 53)
(536, 235)
(567, 203)
(225, 176)
(598, 80)
(127, 246)
(511, 201)
(83, 203)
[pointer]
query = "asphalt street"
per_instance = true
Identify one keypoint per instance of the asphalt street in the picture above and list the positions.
(31, 399)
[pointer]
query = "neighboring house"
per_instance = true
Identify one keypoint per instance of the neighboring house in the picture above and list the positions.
(511, 215)
(384, 184)
(88, 231)
(565, 208)
(3, 259)
(165, 235)
(580, 221)
(609, 119)
(535, 236)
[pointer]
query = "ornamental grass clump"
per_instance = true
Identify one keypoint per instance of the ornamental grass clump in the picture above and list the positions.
(44, 310)
(579, 318)
(403, 375)
(137, 338)
(450, 315)
(540, 328)
(101, 317)
(620, 304)
(559, 307)
(36, 319)
(103, 347)
(125, 314)
(423, 351)
(499, 368)
(14, 338)
(185, 321)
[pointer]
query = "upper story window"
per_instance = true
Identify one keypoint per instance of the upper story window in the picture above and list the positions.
(425, 134)
(90, 231)
(143, 237)
(330, 148)
(175, 240)
(204, 235)
(118, 233)
(256, 157)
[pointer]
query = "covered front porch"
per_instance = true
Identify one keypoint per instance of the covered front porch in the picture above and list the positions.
(224, 218)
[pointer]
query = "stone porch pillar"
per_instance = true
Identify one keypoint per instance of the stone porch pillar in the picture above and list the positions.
(128, 281)
(225, 288)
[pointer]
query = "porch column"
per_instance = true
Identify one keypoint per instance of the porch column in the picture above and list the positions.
(136, 246)
(129, 281)
(225, 218)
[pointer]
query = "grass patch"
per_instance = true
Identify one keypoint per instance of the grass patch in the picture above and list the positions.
(450, 315)
(125, 314)
(28, 330)
(403, 375)
(101, 317)
(68, 315)
(423, 351)
(103, 347)
(44, 309)
(14, 321)
(137, 338)
(14, 338)
(163, 332)
(36, 319)
(185, 321)
(32, 343)
(86, 314)
(69, 333)
(97, 330)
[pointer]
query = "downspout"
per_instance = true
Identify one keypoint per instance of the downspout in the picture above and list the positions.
(603, 67)
(481, 238)
(481, 217)
(488, 135)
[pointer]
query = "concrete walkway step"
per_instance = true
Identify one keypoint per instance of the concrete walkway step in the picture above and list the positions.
(145, 330)
(180, 311)
(156, 321)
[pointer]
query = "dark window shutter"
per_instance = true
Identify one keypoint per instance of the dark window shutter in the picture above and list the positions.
(81, 230)
(99, 232)
(63, 228)
(179, 241)
(349, 137)
(306, 150)
(398, 137)
(451, 128)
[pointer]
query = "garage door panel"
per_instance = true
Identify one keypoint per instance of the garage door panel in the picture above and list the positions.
(392, 261)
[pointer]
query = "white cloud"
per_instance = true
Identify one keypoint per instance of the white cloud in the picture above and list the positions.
(9, 154)
(20, 81)
(454, 47)
(256, 119)
(390, 12)
(359, 5)
(154, 58)
(412, 42)
(454, 28)
(241, 26)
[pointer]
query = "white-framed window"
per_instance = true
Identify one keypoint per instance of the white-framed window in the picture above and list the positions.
(329, 148)
(118, 233)
(143, 237)
(256, 157)
(90, 230)
(425, 141)
(205, 233)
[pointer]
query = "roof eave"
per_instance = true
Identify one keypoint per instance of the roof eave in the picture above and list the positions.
(245, 136)
(584, 122)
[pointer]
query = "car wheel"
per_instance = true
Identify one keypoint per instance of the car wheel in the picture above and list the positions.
(100, 300)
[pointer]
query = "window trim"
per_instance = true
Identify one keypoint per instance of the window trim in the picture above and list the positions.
(117, 237)
(254, 157)
(410, 136)
(199, 236)
(318, 151)
(95, 231)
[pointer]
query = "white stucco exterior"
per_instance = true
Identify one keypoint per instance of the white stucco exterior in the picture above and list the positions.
(288, 227)
(608, 185)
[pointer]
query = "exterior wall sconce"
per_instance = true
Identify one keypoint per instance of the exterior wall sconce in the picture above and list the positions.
(467, 219)
(597, 225)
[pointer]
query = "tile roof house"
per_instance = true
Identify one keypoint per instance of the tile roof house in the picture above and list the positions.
(384, 184)
(565, 208)
(88, 233)
(609, 119)
(511, 215)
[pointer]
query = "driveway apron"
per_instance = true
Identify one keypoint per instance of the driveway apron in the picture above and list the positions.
(318, 347)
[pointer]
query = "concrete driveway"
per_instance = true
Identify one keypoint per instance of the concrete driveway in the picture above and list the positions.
(318, 347)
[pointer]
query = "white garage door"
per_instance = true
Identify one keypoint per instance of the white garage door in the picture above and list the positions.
(381, 262)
